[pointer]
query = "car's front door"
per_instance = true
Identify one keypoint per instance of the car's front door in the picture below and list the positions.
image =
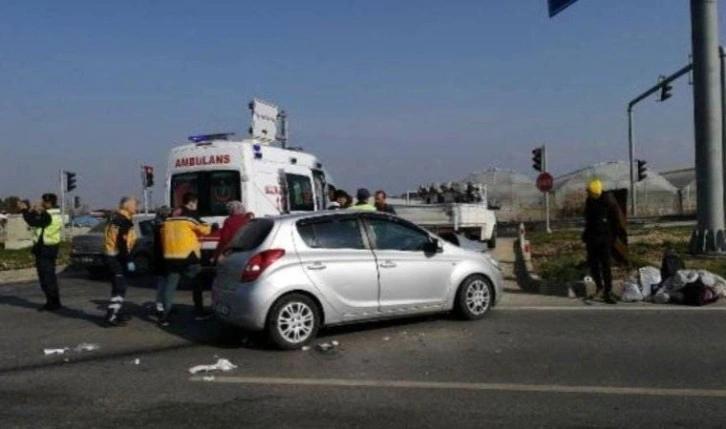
(335, 255)
(411, 279)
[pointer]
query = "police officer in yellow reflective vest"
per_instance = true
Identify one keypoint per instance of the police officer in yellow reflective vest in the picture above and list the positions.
(46, 220)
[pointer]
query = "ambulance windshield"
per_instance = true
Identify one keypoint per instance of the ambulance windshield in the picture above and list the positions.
(214, 188)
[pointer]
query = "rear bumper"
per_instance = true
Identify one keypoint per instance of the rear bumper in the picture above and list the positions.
(243, 306)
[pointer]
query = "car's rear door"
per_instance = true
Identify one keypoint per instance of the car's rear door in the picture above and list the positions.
(337, 258)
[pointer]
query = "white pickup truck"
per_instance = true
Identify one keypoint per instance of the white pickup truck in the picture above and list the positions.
(473, 219)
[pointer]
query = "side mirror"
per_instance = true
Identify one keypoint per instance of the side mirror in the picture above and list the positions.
(433, 246)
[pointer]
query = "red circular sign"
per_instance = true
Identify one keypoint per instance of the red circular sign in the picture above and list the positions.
(545, 181)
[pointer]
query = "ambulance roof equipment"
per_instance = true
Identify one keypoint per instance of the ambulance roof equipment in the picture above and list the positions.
(209, 137)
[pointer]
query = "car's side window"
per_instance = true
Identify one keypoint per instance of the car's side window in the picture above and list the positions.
(332, 234)
(389, 235)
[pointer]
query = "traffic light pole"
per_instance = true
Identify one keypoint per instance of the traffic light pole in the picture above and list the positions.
(546, 194)
(631, 139)
(63, 202)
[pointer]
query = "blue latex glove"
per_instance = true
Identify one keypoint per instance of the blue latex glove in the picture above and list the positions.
(131, 267)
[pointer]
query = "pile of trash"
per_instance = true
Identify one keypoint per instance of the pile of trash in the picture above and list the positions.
(674, 284)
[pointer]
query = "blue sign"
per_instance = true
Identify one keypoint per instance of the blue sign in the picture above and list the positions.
(557, 6)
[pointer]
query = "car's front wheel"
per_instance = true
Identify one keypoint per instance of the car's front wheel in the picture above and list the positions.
(293, 321)
(474, 298)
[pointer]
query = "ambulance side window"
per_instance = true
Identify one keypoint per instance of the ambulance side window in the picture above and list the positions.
(300, 193)
(321, 196)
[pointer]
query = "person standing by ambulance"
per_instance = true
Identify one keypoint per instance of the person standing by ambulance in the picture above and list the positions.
(238, 217)
(183, 254)
(120, 240)
(46, 220)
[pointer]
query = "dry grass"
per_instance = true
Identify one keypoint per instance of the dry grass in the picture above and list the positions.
(560, 256)
(23, 258)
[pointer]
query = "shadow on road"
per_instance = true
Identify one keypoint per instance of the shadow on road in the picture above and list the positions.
(65, 312)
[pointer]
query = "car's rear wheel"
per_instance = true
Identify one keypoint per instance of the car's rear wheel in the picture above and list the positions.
(293, 321)
(474, 298)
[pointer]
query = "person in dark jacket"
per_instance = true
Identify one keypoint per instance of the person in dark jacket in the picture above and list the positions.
(47, 223)
(381, 203)
(340, 199)
(120, 240)
(601, 222)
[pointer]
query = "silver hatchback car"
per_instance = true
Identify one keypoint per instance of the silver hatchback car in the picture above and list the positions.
(291, 275)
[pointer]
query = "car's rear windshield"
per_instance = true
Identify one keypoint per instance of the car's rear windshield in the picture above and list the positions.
(252, 235)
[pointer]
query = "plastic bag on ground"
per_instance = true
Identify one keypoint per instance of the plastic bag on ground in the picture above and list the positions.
(649, 277)
(221, 365)
(683, 278)
(631, 292)
(661, 298)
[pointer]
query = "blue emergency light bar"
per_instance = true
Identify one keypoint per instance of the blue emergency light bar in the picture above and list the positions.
(208, 137)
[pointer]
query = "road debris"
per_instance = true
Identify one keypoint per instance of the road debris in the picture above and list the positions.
(86, 347)
(208, 378)
(221, 365)
(335, 344)
(324, 347)
(137, 361)
(306, 348)
(386, 338)
(83, 347)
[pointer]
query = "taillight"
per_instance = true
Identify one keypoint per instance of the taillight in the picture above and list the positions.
(259, 263)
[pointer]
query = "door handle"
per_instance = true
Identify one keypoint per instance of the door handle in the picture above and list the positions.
(388, 264)
(317, 266)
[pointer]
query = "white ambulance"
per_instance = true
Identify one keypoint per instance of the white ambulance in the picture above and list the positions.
(267, 179)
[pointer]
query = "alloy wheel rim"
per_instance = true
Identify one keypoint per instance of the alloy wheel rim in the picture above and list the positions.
(478, 297)
(295, 322)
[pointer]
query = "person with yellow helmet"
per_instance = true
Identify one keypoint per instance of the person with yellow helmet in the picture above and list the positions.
(601, 221)
(120, 240)
(46, 220)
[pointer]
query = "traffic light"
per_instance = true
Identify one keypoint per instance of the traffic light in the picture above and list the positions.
(665, 91)
(537, 159)
(148, 176)
(70, 181)
(642, 172)
(76, 202)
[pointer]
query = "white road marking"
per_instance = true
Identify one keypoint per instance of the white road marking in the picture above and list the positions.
(604, 307)
(492, 387)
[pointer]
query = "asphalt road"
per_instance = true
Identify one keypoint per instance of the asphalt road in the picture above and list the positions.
(523, 366)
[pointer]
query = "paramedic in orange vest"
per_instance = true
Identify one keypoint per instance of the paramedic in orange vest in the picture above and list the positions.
(182, 254)
(120, 240)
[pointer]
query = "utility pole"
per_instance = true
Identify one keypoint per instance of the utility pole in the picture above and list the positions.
(707, 115)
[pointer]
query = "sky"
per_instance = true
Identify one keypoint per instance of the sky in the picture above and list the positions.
(389, 94)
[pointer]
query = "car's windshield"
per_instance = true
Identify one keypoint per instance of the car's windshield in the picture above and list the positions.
(214, 189)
